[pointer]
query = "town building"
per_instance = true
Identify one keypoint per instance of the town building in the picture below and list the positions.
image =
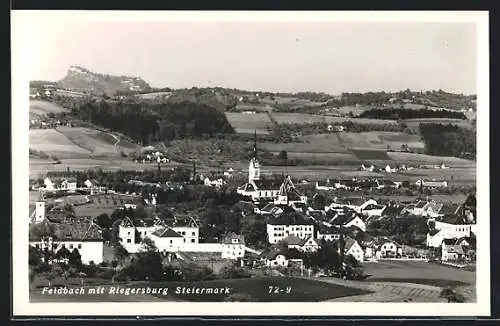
(84, 236)
(304, 245)
(278, 232)
(353, 248)
(233, 246)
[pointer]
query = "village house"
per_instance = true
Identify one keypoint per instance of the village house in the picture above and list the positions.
(356, 204)
(351, 219)
(233, 246)
(214, 183)
(372, 210)
(350, 184)
(304, 245)
(325, 186)
(451, 251)
(353, 248)
(271, 210)
(425, 208)
(85, 236)
(328, 233)
(389, 249)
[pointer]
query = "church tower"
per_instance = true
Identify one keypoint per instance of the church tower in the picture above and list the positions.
(39, 209)
(254, 167)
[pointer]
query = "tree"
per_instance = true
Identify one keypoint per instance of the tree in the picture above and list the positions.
(75, 259)
(35, 256)
(120, 252)
(451, 296)
(283, 155)
(104, 221)
(54, 272)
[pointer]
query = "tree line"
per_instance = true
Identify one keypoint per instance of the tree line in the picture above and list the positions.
(397, 114)
(448, 140)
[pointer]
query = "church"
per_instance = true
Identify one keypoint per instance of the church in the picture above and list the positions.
(262, 190)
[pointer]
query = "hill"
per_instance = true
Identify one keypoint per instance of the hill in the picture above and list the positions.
(81, 79)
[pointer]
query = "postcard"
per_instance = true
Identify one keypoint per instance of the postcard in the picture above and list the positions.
(182, 163)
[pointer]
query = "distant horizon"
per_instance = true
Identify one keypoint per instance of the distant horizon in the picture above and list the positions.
(273, 56)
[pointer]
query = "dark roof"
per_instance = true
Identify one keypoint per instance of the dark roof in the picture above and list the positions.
(420, 204)
(228, 239)
(356, 201)
(84, 231)
(349, 242)
(292, 240)
(166, 233)
(267, 184)
(344, 219)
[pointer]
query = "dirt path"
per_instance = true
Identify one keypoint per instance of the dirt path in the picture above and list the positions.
(117, 141)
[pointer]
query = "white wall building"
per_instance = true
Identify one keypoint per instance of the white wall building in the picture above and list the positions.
(276, 233)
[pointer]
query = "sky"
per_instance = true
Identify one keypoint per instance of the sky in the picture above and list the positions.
(331, 57)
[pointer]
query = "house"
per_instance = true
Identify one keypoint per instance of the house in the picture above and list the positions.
(425, 208)
(271, 209)
(325, 186)
(68, 184)
(305, 245)
(356, 204)
(245, 208)
(373, 210)
(274, 258)
(337, 128)
(288, 194)
(370, 168)
(389, 249)
(167, 240)
(84, 236)
(214, 183)
(328, 233)
(49, 184)
(451, 251)
(384, 183)
(353, 248)
(233, 246)
(348, 220)
(278, 232)
(38, 214)
(432, 183)
(388, 169)
(346, 184)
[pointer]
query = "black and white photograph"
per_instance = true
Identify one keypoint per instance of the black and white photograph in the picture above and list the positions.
(250, 163)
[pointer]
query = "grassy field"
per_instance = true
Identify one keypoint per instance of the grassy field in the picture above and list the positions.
(151, 96)
(310, 118)
(420, 272)
(301, 290)
(96, 142)
(247, 123)
(43, 107)
(52, 142)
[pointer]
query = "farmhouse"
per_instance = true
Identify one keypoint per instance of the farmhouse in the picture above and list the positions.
(389, 249)
(326, 186)
(271, 209)
(373, 210)
(451, 251)
(348, 220)
(273, 257)
(356, 204)
(328, 233)
(346, 184)
(85, 237)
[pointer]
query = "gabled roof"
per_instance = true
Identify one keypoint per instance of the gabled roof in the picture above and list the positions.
(267, 184)
(455, 249)
(83, 231)
(349, 242)
(304, 241)
(420, 204)
(166, 232)
(228, 239)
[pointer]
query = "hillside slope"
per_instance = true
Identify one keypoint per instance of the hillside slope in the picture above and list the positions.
(81, 79)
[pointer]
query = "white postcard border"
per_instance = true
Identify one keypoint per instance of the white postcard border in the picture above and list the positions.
(20, 167)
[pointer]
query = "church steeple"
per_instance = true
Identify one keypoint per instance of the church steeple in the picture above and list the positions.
(255, 144)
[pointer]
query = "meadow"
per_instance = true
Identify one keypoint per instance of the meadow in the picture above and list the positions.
(303, 118)
(248, 123)
(43, 107)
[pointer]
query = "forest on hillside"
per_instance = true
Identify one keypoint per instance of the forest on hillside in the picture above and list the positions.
(448, 140)
(147, 123)
(397, 114)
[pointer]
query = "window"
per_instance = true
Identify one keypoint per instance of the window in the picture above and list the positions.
(193, 234)
(183, 232)
(192, 240)
(184, 240)
(128, 233)
(79, 246)
(128, 240)
(71, 246)
(170, 241)
(37, 246)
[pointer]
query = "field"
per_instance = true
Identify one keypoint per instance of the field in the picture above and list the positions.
(256, 289)
(247, 123)
(302, 118)
(420, 272)
(96, 142)
(151, 96)
(52, 142)
(43, 107)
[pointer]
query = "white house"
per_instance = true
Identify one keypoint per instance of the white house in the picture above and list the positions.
(274, 258)
(39, 213)
(373, 210)
(348, 220)
(68, 184)
(305, 245)
(353, 248)
(86, 237)
(452, 252)
(328, 234)
(214, 183)
(233, 246)
(276, 233)
(324, 186)
(390, 249)
(356, 204)
(432, 183)
(167, 240)
(49, 184)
